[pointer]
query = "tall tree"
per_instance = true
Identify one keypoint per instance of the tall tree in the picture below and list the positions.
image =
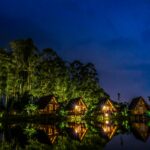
(24, 54)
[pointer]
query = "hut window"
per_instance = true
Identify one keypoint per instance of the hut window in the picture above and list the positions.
(105, 108)
(77, 108)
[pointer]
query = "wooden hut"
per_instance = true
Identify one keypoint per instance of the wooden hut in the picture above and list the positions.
(141, 131)
(47, 105)
(77, 130)
(105, 107)
(138, 106)
(49, 133)
(76, 107)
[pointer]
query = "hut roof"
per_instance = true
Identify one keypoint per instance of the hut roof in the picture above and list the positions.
(135, 102)
(75, 101)
(104, 100)
(44, 101)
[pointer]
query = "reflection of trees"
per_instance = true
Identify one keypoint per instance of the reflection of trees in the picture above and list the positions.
(14, 137)
(70, 136)
(80, 136)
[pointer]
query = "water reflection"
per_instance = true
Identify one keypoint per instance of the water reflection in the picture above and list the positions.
(77, 130)
(47, 133)
(141, 131)
(69, 135)
(107, 129)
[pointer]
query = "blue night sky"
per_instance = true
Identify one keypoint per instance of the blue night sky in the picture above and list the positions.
(113, 34)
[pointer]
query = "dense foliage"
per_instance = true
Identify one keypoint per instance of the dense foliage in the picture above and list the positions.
(28, 73)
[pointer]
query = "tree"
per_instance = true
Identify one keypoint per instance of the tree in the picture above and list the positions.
(25, 70)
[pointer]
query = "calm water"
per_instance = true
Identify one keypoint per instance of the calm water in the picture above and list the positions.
(72, 136)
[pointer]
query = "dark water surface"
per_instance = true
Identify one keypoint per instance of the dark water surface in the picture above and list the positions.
(73, 135)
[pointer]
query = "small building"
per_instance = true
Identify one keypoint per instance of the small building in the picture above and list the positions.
(76, 107)
(77, 130)
(47, 105)
(141, 131)
(105, 107)
(138, 106)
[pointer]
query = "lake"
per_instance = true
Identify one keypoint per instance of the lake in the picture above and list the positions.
(76, 135)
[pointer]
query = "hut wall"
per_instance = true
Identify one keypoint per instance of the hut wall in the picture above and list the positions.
(139, 109)
(49, 109)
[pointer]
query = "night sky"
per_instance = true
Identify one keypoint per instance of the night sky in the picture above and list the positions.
(113, 34)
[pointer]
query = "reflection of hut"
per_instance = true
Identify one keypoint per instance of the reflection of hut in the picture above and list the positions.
(47, 105)
(76, 107)
(107, 130)
(106, 106)
(138, 106)
(77, 130)
(48, 133)
(141, 131)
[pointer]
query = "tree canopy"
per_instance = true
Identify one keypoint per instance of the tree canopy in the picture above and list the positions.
(25, 70)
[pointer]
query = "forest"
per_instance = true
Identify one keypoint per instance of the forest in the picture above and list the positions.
(28, 73)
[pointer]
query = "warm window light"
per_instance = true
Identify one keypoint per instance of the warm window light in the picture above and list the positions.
(106, 114)
(76, 107)
(77, 129)
(107, 122)
(105, 129)
(104, 107)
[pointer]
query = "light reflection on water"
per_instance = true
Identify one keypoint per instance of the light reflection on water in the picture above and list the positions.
(73, 135)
